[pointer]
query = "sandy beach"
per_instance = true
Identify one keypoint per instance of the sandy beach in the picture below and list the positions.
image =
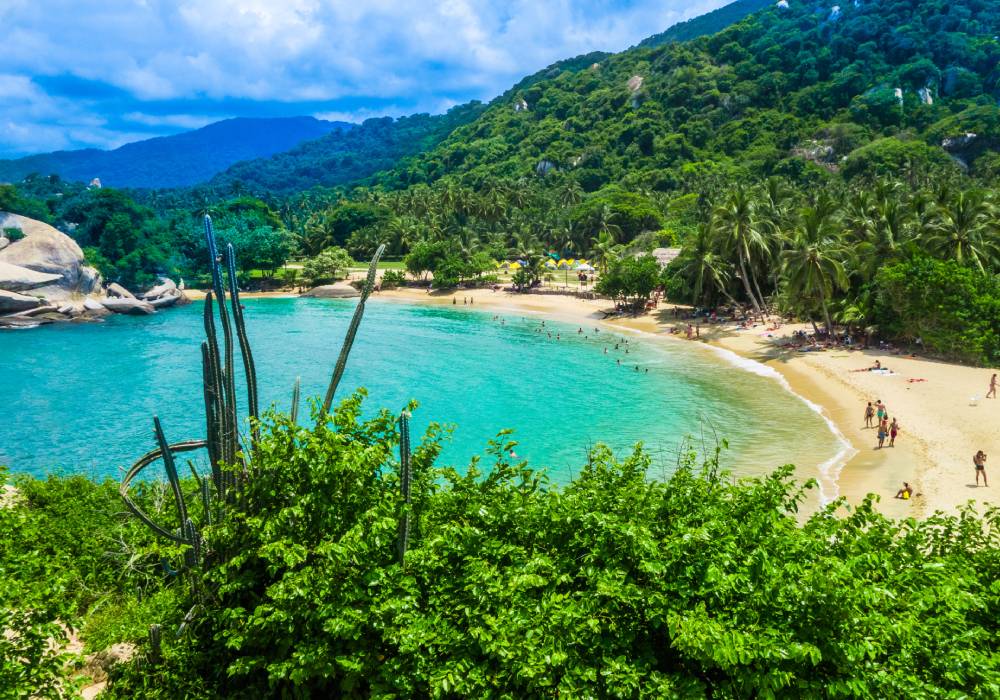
(943, 415)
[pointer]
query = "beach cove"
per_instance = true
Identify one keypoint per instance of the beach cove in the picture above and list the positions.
(96, 387)
(942, 426)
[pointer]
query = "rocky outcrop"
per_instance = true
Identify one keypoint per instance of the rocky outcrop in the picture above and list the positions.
(15, 278)
(12, 302)
(43, 278)
(127, 306)
(48, 250)
(165, 285)
(340, 290)
(116, 290)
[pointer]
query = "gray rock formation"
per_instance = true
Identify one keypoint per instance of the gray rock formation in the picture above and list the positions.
(47, 250)
(340, 290)
(15, 278)
(166, 285)
(116, 290)
(127, 306)
(12, 302)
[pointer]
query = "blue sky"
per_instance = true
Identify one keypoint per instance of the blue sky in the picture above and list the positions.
(100, 73)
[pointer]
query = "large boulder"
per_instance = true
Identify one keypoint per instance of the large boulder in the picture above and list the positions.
(166, 285)
(116, 290)
(12, 302)
(127, 306)
(340, 290)
(15, 278)
(48, 250)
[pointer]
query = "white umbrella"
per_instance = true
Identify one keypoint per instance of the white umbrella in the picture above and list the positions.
(585, 267)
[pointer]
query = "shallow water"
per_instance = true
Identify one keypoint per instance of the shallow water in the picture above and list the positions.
(80, 398)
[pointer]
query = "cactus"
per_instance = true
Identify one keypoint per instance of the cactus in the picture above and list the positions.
(404, 486)
(241, 334)
(155, 653)
(294, 413)
(221, 422)
(352, 330)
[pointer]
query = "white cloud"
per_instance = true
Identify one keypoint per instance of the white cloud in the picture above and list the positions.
(182, 121)
(414, 54)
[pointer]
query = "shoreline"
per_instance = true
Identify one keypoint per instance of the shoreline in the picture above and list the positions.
(939, 423)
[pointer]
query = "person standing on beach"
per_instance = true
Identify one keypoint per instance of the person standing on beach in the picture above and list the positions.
(979, 461)
(883, 429)
(992, 393)
(869, 415)
(893, 432)
(880, 410)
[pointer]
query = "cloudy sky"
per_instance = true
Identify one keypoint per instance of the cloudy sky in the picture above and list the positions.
(82, 73)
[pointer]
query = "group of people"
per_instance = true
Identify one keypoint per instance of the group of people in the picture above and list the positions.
(877, 416)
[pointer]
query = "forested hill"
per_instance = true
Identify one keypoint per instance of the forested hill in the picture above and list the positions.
(174, 161)
(708, 23)
(343, 156)
(800, 91)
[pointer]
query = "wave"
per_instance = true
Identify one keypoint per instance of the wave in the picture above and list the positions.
(829, 471)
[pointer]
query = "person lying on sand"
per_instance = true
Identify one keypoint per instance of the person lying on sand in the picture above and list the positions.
(905, 493)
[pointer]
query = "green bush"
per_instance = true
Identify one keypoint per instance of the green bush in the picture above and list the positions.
(954, 310)
(614, 585)
(392, 279)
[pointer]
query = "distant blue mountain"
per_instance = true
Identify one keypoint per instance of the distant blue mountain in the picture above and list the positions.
(179, 160)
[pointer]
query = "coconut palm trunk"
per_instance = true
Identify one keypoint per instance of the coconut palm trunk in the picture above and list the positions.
(746, 283)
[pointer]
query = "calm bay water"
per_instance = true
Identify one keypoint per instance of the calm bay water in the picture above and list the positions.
(80, 398)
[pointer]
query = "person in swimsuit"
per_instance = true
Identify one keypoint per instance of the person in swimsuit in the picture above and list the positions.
(893, 432)
(992, 393)
(869, 415)
(880, 411)
(883, 429)
(979, 461)
(906, 492)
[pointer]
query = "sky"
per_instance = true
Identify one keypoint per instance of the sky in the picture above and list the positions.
(101, 73)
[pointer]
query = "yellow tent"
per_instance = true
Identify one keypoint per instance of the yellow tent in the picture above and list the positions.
(563, 265)
(550, 264)
(514, 265)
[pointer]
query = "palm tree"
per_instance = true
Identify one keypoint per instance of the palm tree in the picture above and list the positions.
(736, 219)
(604, 250)
(965, 230)
(813, 263)
(570, 194)
(703, 269)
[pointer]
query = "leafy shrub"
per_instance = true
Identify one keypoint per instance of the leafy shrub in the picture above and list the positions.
(392, 279)
(614, 585)
(13, 234)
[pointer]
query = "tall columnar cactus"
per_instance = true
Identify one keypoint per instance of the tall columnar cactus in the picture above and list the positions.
(222, 439)
(296, 390)
(352, 330)
(405, 476)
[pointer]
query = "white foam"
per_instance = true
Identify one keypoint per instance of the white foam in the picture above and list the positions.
(829, 488)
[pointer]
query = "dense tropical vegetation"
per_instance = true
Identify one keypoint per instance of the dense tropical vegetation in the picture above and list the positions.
(614, 585)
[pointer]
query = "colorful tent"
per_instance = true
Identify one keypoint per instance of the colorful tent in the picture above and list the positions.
(563, 265)
(514, 265)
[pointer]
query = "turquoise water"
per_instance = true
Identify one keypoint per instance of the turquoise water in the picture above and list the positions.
(80, 398)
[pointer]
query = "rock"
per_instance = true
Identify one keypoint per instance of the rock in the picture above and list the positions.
(38, 311)
(22, 322)
(340, 290)
(72, 310)
(127, 306)
(45, 249)
(159, 290)
(4, 242)
(15, 278)
(92, 305)
(116, 290)
(164, 301)
(634, 83)
(12, 302)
